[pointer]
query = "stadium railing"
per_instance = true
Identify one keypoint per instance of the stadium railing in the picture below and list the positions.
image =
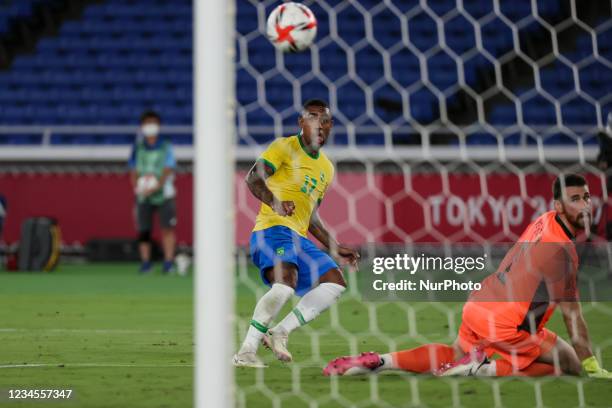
(532, 146)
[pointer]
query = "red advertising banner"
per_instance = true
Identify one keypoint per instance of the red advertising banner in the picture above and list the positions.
(359, 207)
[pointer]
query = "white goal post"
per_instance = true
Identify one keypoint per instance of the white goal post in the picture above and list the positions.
(214, 178)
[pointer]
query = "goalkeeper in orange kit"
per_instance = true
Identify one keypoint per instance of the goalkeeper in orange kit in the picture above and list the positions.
(508, 315)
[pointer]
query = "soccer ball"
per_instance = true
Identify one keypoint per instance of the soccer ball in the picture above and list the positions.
(182, 264)
(292, 27)
(146, 182)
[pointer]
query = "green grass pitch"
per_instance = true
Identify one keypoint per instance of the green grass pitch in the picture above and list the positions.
(122, 340)
(117, 339)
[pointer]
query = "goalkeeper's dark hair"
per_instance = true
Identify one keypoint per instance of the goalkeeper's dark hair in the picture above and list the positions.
(150, 114)
(315, 102)
(567, 180)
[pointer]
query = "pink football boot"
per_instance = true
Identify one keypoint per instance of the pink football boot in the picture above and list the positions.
(469, 364)
(364, 363)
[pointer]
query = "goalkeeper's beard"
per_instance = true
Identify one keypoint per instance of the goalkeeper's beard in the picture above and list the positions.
(581, 221)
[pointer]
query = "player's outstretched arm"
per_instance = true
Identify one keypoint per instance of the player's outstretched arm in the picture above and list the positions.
(579, 336)
(320, 232)
(256, 181)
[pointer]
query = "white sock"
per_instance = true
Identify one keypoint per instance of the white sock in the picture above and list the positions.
(387, 363)
(310, 306)
(487, 370)
(265, 311)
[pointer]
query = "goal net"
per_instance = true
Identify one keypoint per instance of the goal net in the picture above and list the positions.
(452, 119)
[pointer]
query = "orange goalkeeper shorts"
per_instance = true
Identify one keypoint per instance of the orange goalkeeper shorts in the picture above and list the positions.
(518, 347)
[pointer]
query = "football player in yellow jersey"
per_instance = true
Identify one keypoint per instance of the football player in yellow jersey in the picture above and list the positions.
(290, 179)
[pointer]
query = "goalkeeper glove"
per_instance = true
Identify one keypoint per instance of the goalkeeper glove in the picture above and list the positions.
(593, 370)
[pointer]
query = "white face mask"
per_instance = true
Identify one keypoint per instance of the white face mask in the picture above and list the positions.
(150, 129)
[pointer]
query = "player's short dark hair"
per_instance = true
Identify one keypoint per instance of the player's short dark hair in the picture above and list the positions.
(569, 180)
(315, 102)
(150, 114)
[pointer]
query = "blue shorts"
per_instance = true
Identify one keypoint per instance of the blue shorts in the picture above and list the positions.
(281, 244)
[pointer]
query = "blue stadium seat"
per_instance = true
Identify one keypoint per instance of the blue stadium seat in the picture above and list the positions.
(502, 115)
(481, 139)
(5, 24)
(121, 57)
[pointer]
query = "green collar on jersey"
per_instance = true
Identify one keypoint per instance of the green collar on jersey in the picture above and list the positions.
(313, 155)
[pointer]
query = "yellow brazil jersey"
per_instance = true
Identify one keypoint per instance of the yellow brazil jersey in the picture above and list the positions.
(298, 177)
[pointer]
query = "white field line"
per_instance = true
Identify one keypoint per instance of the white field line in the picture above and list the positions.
(94, 365)
(94, 331)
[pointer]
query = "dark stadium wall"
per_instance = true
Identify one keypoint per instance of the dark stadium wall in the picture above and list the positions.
(382, 208)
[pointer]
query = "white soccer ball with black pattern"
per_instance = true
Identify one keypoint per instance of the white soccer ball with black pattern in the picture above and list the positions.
(292, 27)
(146, 183)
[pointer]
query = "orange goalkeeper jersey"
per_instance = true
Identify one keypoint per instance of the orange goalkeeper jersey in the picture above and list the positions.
(538, 271)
